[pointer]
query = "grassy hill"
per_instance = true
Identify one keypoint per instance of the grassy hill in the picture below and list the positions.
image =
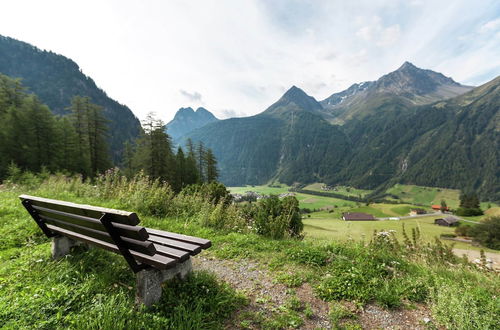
(94, 289)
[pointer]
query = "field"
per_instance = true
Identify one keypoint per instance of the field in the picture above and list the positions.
(321, 228)
(324, 222)
(342, 190)
(242, 276)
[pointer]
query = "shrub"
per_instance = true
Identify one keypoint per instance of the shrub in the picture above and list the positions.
(309, 255)
(277, 218)
(463, 230)
(487, 233)
(468, 212)
(214, 192)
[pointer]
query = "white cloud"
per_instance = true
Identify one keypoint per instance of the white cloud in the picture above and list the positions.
(489, 26)
(163, 55)
(379, 34)
(192, 97)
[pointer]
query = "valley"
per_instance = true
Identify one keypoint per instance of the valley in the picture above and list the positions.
(323, 217)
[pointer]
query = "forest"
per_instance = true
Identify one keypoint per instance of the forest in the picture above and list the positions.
(34, 139)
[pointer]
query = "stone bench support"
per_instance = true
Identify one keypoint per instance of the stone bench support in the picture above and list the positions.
(61, 245)
(149, 281)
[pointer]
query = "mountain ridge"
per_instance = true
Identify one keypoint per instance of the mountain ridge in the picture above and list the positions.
(187, 120)
(396, 141)
(56, 79)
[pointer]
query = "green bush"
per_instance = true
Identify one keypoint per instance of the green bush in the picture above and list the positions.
(463, 230)
(308, 255)
(487, 232)
(277, 218)
(468, 212)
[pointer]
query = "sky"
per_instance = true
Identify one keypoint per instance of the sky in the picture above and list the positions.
(237, 57)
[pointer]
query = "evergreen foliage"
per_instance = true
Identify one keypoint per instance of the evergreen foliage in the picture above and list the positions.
(153, 155)
(34, 139)
(57, 79)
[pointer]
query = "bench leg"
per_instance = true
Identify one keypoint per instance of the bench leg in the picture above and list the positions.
(61, 246)
(148, 287)
(148, 283)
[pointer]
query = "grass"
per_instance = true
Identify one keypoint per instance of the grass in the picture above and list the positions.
(327, 229)
(94, 289)
(342, 190)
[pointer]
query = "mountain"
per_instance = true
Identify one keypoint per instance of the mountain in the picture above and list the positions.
(289, 142)
(408, 84)
(391, 133)
(295, 99)
(452, 143)
(186, 120)
(56, 79)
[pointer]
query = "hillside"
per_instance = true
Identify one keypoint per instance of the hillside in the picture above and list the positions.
(187, 120)
(288, 142)
(408, 86)
(390, 135)
(56, 79)
(453, 144)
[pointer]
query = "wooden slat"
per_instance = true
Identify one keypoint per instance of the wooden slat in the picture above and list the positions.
(191, 248)
(127, 218)
(157, 261)
(204, 243)
(171, 252)
(132, 244)
(134, 232)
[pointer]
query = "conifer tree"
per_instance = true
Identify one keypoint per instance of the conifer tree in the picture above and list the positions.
(212, 173)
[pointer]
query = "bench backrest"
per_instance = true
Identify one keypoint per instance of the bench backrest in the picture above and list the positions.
(110, 229)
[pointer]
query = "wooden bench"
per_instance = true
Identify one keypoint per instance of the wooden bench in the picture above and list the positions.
(154, 255)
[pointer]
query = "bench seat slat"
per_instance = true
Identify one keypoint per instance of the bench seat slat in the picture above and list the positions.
(132, 244)
(157, 261)
(134, 232)
(127, 218)
(204, 243)
(191, 248)
(171, 252)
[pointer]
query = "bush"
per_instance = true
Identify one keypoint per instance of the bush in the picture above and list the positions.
(468, 212)
(487, 233)
(277, 218)
(463, 230)
(214, 192)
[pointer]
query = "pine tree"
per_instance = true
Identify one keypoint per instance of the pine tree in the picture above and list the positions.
(201, 161)
(212, 173)
(79, 118)
(153, 152)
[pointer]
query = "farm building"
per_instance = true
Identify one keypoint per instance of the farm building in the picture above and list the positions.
(417, 211)
(438, 208)
(448, 222)
(357, 216)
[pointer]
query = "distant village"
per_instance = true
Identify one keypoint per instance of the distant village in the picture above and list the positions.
(448, 221)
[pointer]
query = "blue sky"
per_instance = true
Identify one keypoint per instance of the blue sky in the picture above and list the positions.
(237, 57)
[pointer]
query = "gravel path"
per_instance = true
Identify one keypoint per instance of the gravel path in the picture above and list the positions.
(267, 296)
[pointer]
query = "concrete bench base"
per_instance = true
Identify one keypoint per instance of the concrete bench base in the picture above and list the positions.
(149, 281)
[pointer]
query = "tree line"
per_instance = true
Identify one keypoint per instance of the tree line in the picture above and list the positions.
(33, 139)
(153, 154)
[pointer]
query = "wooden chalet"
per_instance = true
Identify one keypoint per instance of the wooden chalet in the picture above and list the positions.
(447, 222)
(417, 211)
(438, 208)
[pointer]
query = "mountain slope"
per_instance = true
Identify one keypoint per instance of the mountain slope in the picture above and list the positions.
(452, 143)
(187, 120)
(287, 142)
(412, 85)
(56, 79)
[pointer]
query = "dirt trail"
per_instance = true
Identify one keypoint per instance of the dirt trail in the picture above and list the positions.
(473, 256)
(267, 296)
